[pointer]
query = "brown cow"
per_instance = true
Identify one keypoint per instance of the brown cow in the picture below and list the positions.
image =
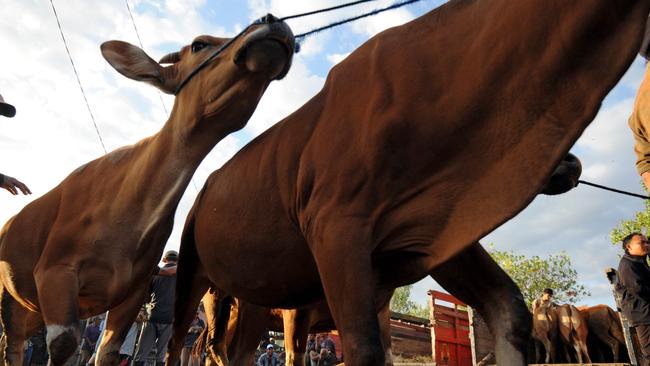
(573, 331)
(422, 141)
(605, 325)
(545, 333)
(248, 320)
(92, 243)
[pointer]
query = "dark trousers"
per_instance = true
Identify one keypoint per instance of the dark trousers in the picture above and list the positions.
(643, 335)
(153, 335)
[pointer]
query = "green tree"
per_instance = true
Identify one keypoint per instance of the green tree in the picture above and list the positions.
(401, 303)
(640, 223)
(534, 274)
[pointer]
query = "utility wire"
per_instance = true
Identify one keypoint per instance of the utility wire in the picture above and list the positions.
(65, 43)
(326, 9)
(348, 20)
(137, 34)
(128, 7)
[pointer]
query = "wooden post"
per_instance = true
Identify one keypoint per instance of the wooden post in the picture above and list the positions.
(472, 339)
(612, 276)
(432, 320)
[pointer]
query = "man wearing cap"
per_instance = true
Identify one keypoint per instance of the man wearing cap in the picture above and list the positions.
(546, 300)
(11, 184)
(269, 358)
(158, 329)
(634, 289)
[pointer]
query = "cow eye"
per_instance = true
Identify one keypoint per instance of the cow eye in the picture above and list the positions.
(198, 46)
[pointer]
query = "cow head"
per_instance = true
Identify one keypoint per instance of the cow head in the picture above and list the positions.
(565, 177)
(224, 91)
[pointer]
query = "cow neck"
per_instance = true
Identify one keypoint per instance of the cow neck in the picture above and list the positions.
(168, 160)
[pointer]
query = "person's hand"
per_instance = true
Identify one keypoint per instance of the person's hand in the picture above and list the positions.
(13, 185)
(646, 180)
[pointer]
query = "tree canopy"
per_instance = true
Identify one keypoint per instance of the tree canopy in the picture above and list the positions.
(640, 223)
(534, 274)
(401, 303)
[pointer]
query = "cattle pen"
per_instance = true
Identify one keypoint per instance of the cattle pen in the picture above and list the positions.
(456, 335)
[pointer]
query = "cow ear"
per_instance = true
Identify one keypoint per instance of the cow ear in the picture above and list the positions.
(132, 62)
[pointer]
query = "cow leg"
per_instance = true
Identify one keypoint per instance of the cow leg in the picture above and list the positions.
(252, 322)
(567, 354)
(578, 351)
(582, 350)
(18, 324)
(539, 346)
(348, 282)
(191, 285)
(547, 347)
(611, 342)
(58, 295)
(296, 330)
(117, 326)
(474, 278)
(188, 298)
(217, 311)
(384, 327)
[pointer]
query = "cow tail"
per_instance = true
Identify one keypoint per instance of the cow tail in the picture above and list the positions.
(199, 344)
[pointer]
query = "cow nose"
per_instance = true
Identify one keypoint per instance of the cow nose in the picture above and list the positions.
(269, 19)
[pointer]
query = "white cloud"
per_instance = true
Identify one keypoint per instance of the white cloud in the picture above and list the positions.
(375, 24)
(335, 58)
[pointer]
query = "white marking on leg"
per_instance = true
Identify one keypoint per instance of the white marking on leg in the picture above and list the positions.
(389, 356)
(54, 331)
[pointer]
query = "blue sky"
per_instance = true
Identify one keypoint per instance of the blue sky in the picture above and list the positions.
(52, 134)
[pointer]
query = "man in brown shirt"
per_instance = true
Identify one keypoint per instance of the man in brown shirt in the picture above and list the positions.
(11, 184)
(640, 120)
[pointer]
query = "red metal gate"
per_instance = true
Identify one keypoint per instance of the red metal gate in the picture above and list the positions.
(449, 331)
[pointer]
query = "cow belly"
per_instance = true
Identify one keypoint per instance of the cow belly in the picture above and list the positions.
(273, 273)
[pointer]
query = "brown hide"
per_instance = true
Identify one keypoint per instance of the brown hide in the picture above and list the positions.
(423, 140)
(605, 325)
(91, 243)
(545, 326)
(573, 331)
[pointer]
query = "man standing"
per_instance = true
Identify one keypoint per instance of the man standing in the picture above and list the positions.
(545, 300)
(9, 183)
(634, 288)
(158, 329)
(327, 343)
(90, 337)
(269, 358)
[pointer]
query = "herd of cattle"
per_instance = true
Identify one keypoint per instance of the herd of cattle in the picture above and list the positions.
(565, 333)
(421, 142)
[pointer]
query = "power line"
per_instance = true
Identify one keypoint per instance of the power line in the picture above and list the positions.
(137, 34)
(348, 20)
(65, 43)
(325, 9)
(128, 7)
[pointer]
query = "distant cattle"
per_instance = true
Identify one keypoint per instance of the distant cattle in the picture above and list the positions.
(545, 328)
(605, 331)
(573, 331)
